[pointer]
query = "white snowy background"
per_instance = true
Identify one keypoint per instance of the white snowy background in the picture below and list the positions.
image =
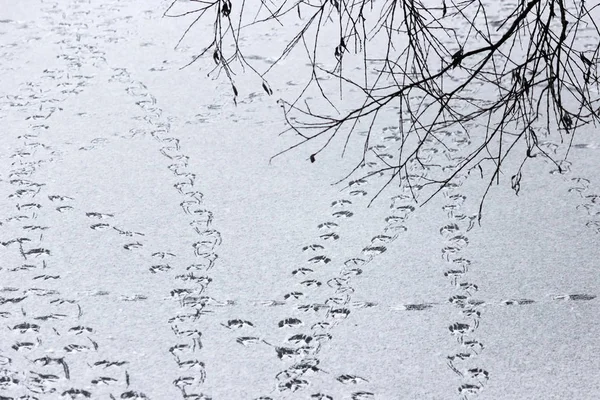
(151, 250)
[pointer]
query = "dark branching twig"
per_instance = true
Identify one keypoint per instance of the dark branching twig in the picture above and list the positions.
(538, 64)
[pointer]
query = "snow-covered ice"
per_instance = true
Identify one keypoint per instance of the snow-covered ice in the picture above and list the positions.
(151, 250)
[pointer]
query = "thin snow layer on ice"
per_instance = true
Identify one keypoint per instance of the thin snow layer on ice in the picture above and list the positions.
(151, 250)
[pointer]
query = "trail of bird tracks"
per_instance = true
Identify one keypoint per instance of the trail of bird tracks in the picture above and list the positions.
(111, 276)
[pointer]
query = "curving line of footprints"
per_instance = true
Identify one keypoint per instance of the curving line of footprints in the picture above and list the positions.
(47, 344)
(193, 280)
(310, 325)
(51, 351)
(589, 202)
(33, 329)
(463, 362)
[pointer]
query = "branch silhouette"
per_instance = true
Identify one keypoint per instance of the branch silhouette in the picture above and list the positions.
(435, 67)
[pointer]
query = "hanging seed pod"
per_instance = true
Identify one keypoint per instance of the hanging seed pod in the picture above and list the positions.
(515, 182)
(267, 88)
(226, 8)
(235, 91)
(217, 56)
(337, 53)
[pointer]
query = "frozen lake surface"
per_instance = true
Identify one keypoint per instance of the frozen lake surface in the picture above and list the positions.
(151, 251)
